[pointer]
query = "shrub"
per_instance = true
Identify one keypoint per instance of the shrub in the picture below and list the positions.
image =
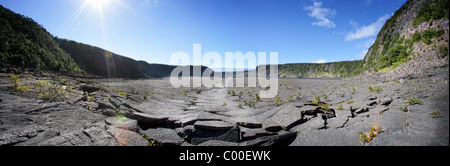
(121, 93)
(350, 102)
(416, 37)
(53, 92)
(316, 99)
(288, 100)
(42, 83)
(257, 98)
(404, 108)
(144, 96)
(251, 103)
(17, 86)
(435, 113)
(377, 89)
(240, 106)
(224, 104)
(278, 101)
(15, 83)
(240, 94)
(340, 107)
(414, 101)
(89, 98)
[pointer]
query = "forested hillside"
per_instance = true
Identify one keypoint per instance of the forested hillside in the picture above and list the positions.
(26, 44)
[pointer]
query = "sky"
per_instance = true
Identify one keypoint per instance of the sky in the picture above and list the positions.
(301, 31)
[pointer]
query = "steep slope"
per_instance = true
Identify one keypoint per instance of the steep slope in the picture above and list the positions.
(26, 44)
(104, 63)
(417, 32)
(414, 39)
(107, 64)
(324, 70)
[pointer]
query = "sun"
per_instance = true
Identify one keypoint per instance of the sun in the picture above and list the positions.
(98, 3)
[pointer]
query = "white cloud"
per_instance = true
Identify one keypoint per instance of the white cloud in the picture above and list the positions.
(322, 15)
(320, 61)
(366, 31)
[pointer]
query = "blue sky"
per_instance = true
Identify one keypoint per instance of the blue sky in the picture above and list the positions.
(152, 30)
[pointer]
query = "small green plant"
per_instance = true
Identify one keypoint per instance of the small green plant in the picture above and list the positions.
(340, 107)
(353, 90)
(324, 106)
(257, 98)
(404, 108)
(185, 93)
(288, 100)
(53, 92)
(251, 103)
(42, 83)
(278, 101)
(435, 113)
(88, 97)
(414, 101)
(249, 93)
(224, 104)
(233, 93)
(316, 99)
(362, 138)
(15, 83)
(88, 107)
(240, 94)
(240, 106)
(366, 138)
(377, 89)
(350, 102)
(151, 142)
(121, 93)
(145, 95)
(198, 91)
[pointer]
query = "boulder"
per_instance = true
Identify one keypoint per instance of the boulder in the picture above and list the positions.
(126, 137)
(164, 137)
(16, 135)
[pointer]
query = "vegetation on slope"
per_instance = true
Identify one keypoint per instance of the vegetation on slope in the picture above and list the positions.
(392, 48)
(335, 69)
(26, 44)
